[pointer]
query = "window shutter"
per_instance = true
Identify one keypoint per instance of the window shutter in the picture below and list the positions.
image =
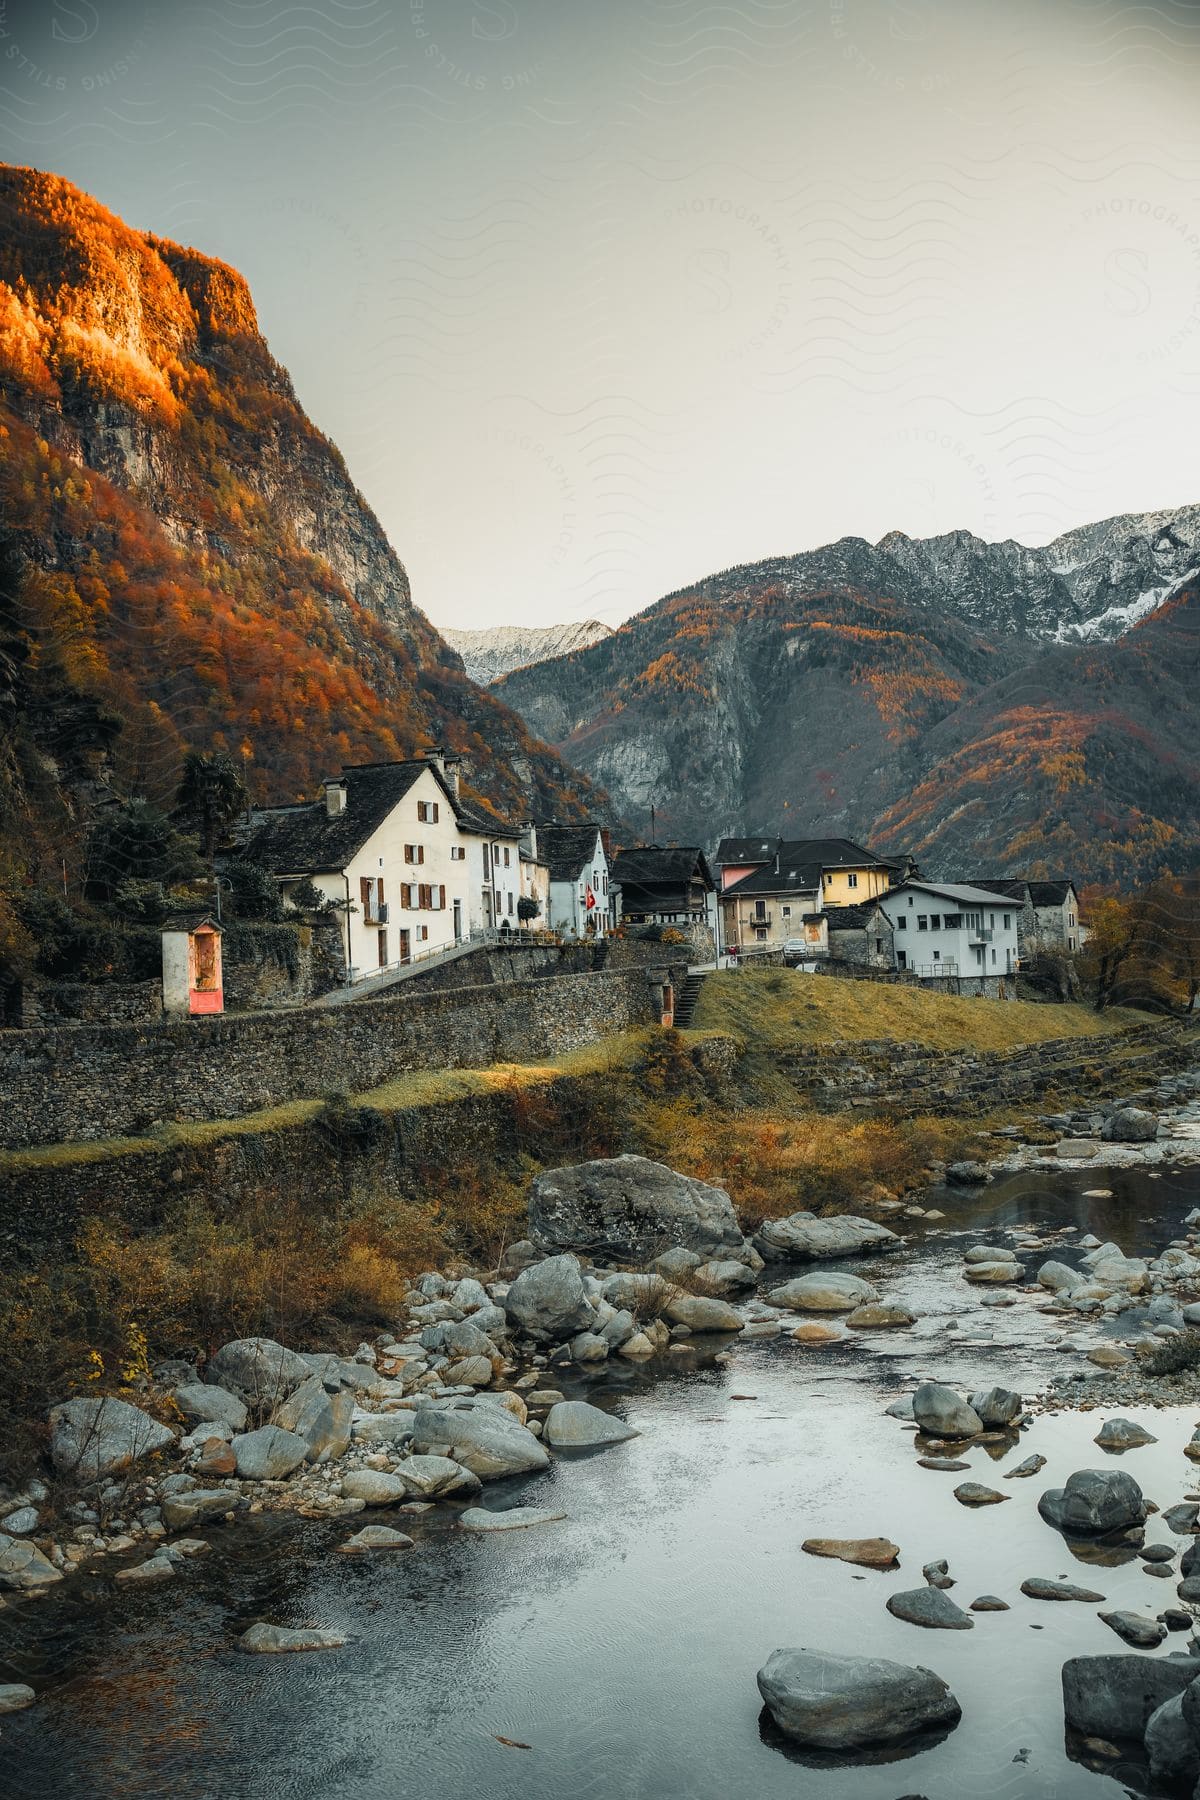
(436, 811)
(364, 892)
(381, 890)
(405, 895)
(442, 900)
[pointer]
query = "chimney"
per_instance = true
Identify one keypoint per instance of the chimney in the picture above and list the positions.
(447, 766)
(529, 843)
(335, 798)
(778, 852)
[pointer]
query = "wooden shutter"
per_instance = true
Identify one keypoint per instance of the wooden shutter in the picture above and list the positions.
(364, 892)
(442, 899)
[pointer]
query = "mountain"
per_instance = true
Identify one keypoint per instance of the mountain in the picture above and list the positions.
(920, 696)
(501, 648)
(208, 575)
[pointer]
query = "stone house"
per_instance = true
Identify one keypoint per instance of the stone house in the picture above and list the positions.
(582, 896)
(1048, 915)
(948, 930)
(862, 935)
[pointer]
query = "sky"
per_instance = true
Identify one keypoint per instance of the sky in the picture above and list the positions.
(598, 297)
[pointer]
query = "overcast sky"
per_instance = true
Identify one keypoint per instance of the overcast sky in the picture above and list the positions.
(599, 296)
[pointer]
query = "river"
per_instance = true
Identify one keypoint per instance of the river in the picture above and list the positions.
(620, 1646)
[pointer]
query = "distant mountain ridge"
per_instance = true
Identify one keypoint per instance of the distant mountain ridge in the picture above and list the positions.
(1028, 711)
(498, 649)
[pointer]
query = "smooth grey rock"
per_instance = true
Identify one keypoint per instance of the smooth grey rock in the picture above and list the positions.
(1170, 1746)
(1114, 1696)
(374, 1487)
(480, 1435)
(271, 1640)
(1122, 1434)
(375, 1537)
(548, 1300)
(261, 1371)
(517, 1518)
(14, 1696)
(802, 1236)
(322, 1419)
(589, 1347)
(699, 1313)
(974, 1493)
(436, 1478)
(204, 1402)
(155, 1568)
(1032, 1465)
(830, 1291)
(573, 1424)
(180, 1511)
(940, 1412)
(1182, 1518)
(1093, 1502)
(1145, 1633)
(268, 1454)
(21, 1522)
(1059, 1278)
(1130, 1125)
(383, 1428)
(23, 1567)
(627, 1208)
(843, 1703)
(997, 1407)
(459, 1337)
(989, 1603)
(724, 1278)
(988, 1253)
(1039, 1589)
(930, 1607)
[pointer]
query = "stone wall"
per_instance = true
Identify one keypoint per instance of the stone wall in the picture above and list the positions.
(904, 1079)
(100, 1081)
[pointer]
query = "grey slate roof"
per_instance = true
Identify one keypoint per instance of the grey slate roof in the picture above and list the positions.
(481, 824)
(830, 853)
(953, 890)
(1050, 893)
(791, 879)
(306, 840)
(567, 849)
(853, 918)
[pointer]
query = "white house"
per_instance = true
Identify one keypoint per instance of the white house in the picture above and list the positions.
(944, 929)
(582, 900)
(493, 869)
(384, 843)
(535, 878)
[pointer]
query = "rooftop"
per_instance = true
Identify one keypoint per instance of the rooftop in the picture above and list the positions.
(307, 840)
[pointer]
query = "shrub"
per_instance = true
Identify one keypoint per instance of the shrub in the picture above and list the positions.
(1175, 1356)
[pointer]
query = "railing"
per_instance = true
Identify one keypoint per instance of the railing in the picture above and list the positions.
(949, 966)
(978, 935)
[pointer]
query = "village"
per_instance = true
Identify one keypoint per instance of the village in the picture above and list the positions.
(415, 875)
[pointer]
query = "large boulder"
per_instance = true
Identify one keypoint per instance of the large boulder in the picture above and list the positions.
(205, 1404)
(1130, 1125)
(436, 1478)
(845, 1703)
(997, 1407)
(830, 1291)
(700, 1313)
(1093, 1502)
(268, 1454)
(1115, 1696)
(802, 1237)
(940, 1412)
(1170, 1746)
(930, 1607)
(575, 1425)
(479, 1434)
(548, 1300)
(322, 1419)
(101, 1436)
(627, 1209)
(261, 1371)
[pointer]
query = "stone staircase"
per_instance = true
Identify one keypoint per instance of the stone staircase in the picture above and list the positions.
(685, 1006)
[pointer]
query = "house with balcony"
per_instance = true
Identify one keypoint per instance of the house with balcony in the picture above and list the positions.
(382, 844)
(766, 887)
(765, 908)
(954, 933)
(493, 869)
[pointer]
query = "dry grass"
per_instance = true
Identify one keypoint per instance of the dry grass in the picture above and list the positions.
(781, 1009)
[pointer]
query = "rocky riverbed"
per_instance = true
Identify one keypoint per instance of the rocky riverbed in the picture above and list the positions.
(662, 1439)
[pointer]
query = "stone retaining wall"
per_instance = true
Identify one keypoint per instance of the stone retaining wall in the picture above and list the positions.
(100, 1081)
(906, 1079)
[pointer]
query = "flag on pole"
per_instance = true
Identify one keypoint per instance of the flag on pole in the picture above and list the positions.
(589, 900)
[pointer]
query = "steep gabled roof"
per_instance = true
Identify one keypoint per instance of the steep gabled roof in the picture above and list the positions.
(790, 879)
(567, 848)
(830, 853)
(1051, 893)
(657, 877)
(1013, 889)
(307, 840)
(854, 918)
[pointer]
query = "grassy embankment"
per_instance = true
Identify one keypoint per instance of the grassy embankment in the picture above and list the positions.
(318, 1266)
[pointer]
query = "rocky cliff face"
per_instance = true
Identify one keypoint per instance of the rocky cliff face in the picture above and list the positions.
(491, 653)
(219, 580)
